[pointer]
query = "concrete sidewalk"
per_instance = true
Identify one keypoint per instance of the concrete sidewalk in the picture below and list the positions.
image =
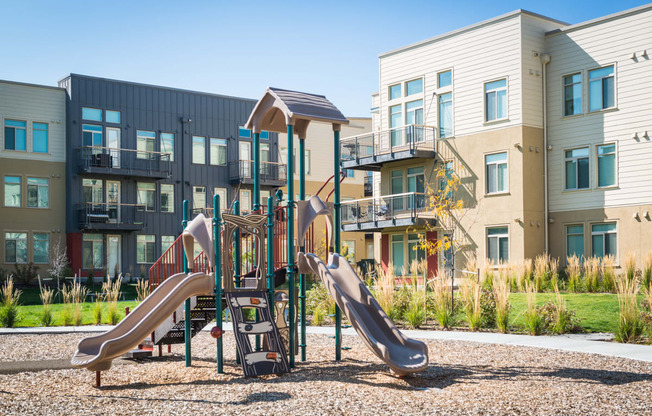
(585, 343)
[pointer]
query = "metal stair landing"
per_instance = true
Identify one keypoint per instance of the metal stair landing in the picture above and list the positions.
(203, 313)
(256, 363)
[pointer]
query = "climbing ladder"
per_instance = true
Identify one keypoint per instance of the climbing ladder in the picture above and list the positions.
(272, 360)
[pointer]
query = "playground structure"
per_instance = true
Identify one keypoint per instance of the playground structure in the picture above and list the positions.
(217, 271)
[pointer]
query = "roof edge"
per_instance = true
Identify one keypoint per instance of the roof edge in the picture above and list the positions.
(27, 84)
(603, 19)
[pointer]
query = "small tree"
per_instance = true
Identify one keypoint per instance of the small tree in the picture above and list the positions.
(58, 262)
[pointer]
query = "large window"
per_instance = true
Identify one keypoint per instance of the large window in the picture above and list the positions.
(245, 200)
(41, 248)
(606, 165)
(166, 242)
(145, 144)
(396, 120)
(601, 88)
(92, 190)
(498, 244)
(198, 198)
(496, 170)
(198, 150)
(93, 114)
(39, 137)
(575, 240)
(495, 100)
(92, 251)
(112, 116)
(167, 145)
(224, 203)
(167, 197)
(38, 193)
(577, 168)
(604, 239)
(12, 191)
(446, 114)
(348, 250)
(147, 195)
(444, 79)
(15, 135)
(572, 94)
(218, 152)
(91, 135)
(398, 255)
(15, 247)
(415, 252)
(414, 87)
(145, 249)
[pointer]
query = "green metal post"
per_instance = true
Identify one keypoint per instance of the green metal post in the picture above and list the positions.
(270, 251)
(237, 255)
(291, 265)
(336, 231)
(257, 207)
(302, 277)
(187, 333)
(217, 244)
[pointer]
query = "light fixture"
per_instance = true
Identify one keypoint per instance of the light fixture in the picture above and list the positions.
(551, 220)
(518, 220)
(635, 136)
(517, 145)
(636, 217)
(646, 215)
(647, 137)
(549, 147)
(644, 54)
(633, 57)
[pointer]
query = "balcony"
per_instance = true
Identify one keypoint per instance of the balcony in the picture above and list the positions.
(371, 150)
(124, 162)
(271, 173)
(378, 213)
(109, 216)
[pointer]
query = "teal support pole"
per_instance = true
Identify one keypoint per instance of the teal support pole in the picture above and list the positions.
(237, 254)
(270, 251)
(291, 265)
(187, 332)
(256, 208)
(217, 245)
(302, 277)
(336, 231)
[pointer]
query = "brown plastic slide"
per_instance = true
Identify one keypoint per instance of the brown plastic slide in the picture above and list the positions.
(96, 353)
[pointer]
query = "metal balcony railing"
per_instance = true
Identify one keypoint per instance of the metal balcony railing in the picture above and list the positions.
(388, 207)
(93, 159)
(271, 173)
(111, 216)
(410, 137)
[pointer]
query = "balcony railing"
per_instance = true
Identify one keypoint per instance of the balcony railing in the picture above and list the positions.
(387, 145)
(92, 159)
(384, 211)
(110, 216)
(271, 173)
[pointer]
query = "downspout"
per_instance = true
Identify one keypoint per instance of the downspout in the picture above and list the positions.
(545, 60)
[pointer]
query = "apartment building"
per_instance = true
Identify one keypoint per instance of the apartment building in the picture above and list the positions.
(32, 168)
(319, 168)
(135, 152)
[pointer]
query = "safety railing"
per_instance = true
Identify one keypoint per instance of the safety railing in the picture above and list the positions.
(410, 137)
(123, 161)
(171, 263)
(270, 172)
(108, 216)
(386, 207)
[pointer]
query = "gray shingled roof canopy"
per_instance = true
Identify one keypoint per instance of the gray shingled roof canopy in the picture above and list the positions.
(279, 108)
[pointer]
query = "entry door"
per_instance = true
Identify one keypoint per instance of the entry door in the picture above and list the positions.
(245, 159)
(113, 263)
(113, 143)
(113, 200)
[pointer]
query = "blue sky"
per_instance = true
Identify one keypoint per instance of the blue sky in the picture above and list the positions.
(240, 47)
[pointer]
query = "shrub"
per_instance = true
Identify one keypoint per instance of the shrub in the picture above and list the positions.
(471, 304)
(442, 308)
(647, 270)
(592, 274)
(318, 316)
(9, 305)
(46, 296)
(630, 325)
(608, 275)
(488, 275)
(501, 295)
(402, 298)
(647, 305)
(630, 266)
(574, 273)
(488, 308)
(415, 315)
(558, 318)
(25, 273)
(534, 321)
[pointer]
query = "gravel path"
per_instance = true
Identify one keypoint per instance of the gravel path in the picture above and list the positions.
(463, 378)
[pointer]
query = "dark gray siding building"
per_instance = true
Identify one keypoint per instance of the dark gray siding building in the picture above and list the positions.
(134, 152)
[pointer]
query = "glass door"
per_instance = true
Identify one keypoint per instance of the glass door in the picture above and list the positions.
(415, 184)
(245, 159)
(113, 144)
(397, 188)
(113, 201)
(113, 263)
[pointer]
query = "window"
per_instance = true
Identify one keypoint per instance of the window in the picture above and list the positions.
(146, 195)
(38, 193)
(245, 200)
(575, 240)
(42, 248)
(603, 239)
(167, 197)
(395, 121)
(348, 173)
(91, 135)
(15, 135)
(39, 137)
(415, 183)
(415, 252)
(167, 144)
(224, 203)
(577, 168)
(264, 135)
(112, 116)
(414, 112)
(601, 88)
(572, 94)
(92, 251)
(397, 253)
(607, 165)
(444, 79)
(198, 150)
(396, 187)
(92, 190)
(496, 171)
(348, 250)
(497, 244)
(395, 92)
(242, 132)
(145, 142)
(145, 249)
(12, 191)
(446, 114)
(166, 242)
(218, 152)
(414, 87)
(93, 114)
(198, 198)
(15, 247)
(495, 100)
(307, 162)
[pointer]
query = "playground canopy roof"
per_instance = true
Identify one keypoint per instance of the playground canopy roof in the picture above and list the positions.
(279, 108)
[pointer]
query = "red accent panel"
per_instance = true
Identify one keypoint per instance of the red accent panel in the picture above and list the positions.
(74, 251)
(432, 258)
(384, 251)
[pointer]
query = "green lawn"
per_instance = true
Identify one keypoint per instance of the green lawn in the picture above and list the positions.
(29, 315)
(30, 295)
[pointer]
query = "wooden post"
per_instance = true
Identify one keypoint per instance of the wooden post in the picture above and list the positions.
(98, 378)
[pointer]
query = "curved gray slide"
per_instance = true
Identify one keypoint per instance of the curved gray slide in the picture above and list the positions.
(96, 353)
(402, 354)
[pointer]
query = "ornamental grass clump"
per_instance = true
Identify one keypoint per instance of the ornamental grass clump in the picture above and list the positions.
(78, 296)
(574, 273)
(647, 270)
(534, 321)
(443, 306)
(630, 266)
(415, 314)
(630, 325)
(67, 312)
(541, 272)
(501, 296)
(471, 296)
(592, 274)
(97, 308)
(647, 306)
(561, 320)
(142, 290)
(46, 295)
(608, 273)
(488, 275)
(9, 305)
(111, 292)
(385, 291)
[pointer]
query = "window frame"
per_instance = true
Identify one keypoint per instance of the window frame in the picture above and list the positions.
(34, 240)
(566, 234)
(6, 239)
(486, 168)
(499, 236)
(163, 241)
(20, 191)
(106, 119)
(140, 137)
(603, 234)
(93, 132)
(151, 244)
(144, 204)
(484, 100)
(192, 152)
(563, 93)
(445, 87)
(15, 128)
(161, 193)
(439, 115)
(92, 119)
(405, 88)
(194, 200)
(99, 240)
(38, 192)
(588, 88)
(219, 143)
(47, 136)
(165, 137)
(563, 161)
(597, 165)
